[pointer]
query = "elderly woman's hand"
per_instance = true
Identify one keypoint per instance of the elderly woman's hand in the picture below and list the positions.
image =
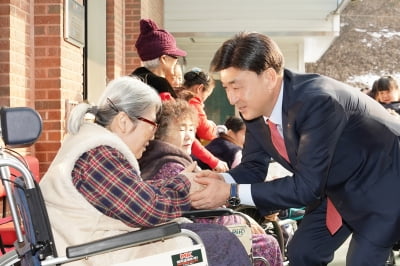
(191, 168)
(221, 167)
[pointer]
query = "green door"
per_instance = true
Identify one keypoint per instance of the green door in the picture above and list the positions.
(217, 106)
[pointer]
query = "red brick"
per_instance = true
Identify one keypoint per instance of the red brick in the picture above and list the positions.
(40, 51)
(53, 9)
(47, 62)
(54, 136)
(48, 104)
(54, 20)
(53, 72)
(47, 40)
(40, 95)
(40, 9)
(4, 9)
(54, 115)
(54, 51)
(53, 30)
(48, 1)
(48, 125)
(46, 145)
(40, 30)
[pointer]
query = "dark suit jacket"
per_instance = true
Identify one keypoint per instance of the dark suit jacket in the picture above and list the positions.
(338, 146)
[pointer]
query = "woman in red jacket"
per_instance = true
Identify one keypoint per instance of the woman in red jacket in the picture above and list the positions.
(197, 87)
(201, 87)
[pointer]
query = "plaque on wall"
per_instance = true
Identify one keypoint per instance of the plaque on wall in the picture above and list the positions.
(74, 23)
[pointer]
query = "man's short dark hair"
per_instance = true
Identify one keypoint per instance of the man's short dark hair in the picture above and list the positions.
(248, 51)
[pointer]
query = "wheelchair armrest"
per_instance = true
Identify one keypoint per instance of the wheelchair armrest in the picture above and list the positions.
(207, 213)
(139, 237)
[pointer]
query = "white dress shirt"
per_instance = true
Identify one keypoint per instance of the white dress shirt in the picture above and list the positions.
(244, 190)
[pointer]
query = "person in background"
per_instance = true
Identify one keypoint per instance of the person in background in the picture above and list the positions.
(229, 143)
(197, 87)
(93, 188)
(341, 146)
(373, 92)
(158, 51)
(169, 154)
(388, 90)
(200, 86)
(176, 78)
(388, 94)
(159, 54)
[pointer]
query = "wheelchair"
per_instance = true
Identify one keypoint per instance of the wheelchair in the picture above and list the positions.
(282, 228)
(21, 127)
(242, 231)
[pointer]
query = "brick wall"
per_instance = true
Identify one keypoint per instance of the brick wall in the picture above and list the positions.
(58, 76)
(16, 54)
(132, 17)
(38, 68)
(115, 39)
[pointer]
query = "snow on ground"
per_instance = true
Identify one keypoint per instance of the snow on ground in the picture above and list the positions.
(369, 79)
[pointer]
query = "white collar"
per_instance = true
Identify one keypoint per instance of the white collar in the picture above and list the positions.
(276, 114)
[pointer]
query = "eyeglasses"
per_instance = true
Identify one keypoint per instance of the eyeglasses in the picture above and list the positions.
(154, 124)
(112, 105)
(173, 56)
(116, 109)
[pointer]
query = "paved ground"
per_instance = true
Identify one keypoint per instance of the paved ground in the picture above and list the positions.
(277, 170)
(340, 255)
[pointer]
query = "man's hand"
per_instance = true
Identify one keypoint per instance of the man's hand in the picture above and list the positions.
(214, 195)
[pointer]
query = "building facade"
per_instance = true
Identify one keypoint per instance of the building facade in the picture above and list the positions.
(42, 68)
(56, 53)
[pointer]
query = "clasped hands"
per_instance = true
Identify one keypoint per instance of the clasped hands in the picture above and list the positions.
(208, 189)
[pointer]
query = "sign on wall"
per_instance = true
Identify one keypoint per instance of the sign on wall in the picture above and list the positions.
(74, 23)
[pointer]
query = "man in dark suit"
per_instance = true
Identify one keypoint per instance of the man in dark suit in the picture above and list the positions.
(341, 146)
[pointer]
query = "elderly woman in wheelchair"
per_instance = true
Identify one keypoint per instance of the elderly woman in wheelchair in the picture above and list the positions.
(93, 188)
(169, 155)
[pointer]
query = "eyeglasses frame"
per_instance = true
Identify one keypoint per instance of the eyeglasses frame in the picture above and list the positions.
(116, 109)
(154, 124)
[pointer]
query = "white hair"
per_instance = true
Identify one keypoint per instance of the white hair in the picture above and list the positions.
(125, 94)
(152, 64)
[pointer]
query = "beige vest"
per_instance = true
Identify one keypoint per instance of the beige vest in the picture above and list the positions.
(73, 219)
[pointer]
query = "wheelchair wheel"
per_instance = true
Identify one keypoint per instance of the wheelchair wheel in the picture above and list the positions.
(270, 227)
(252, 212)
(273, 228)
